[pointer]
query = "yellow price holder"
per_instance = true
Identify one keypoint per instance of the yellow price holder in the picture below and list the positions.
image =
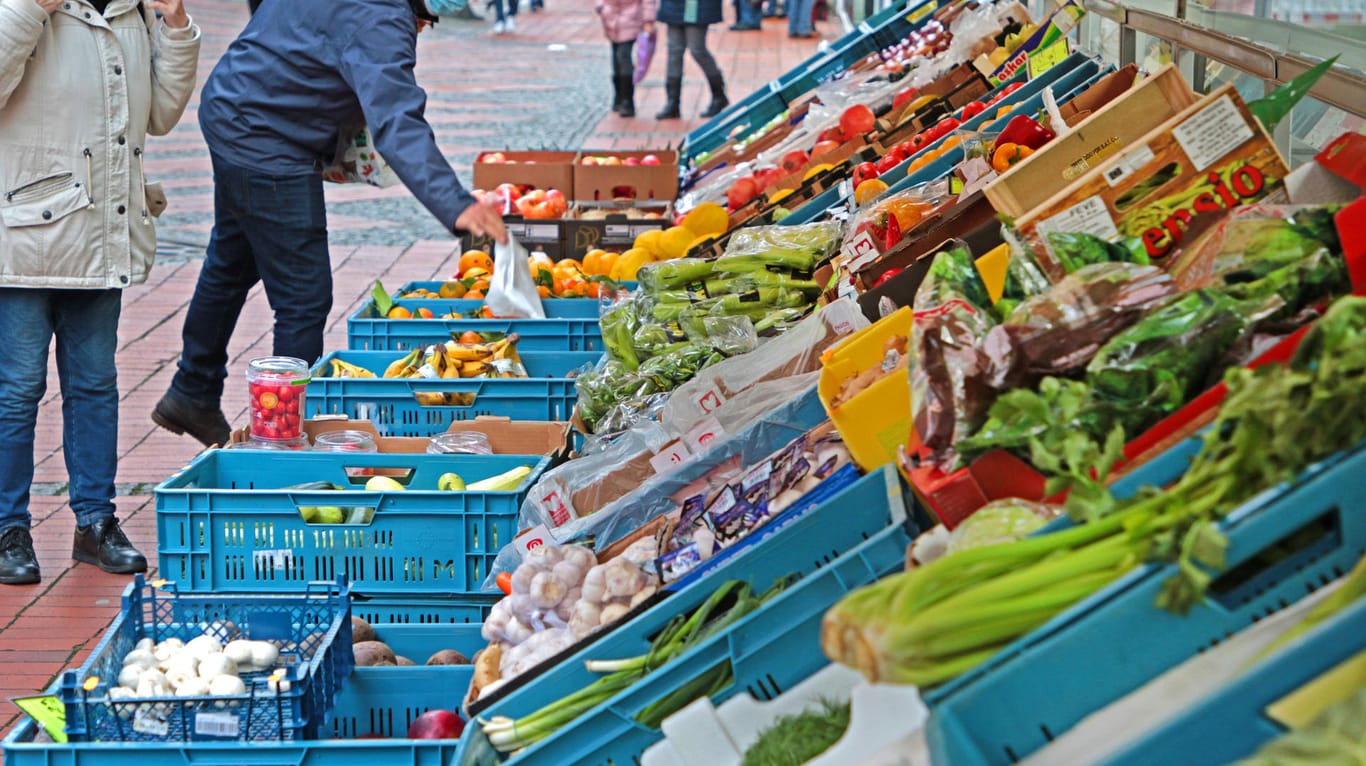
(48, 711)
(925, 9)
(1049, 56)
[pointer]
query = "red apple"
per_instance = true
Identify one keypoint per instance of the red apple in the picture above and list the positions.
(905, 97)
(822, 148)
(741, 193)
(649, 159)
(857, 120)
(590, 160)
(794, 161)
(610, 161)
(494, 158)
(632, 161)
(767, 177)
(436, 724)
(831, 134)
(864, 171)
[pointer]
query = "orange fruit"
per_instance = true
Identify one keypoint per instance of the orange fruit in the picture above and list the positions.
(470, 336)
(471, 259)
(592, 261)
(481, 284)
(474, 294)
(538, 266)
(543, 291)
(399, 312)
(869, 190)
(605, 263)
(475, 272)
(592, 289)
(424, 313)
(486, 312)
(452, 289)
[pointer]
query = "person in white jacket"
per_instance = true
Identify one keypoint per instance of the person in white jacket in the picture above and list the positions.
(82, 84)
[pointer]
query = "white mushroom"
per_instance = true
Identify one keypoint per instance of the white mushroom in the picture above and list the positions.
(199, 646)
(239, 652)
(142, 658)
(216, 664)
(193, 687)
(226, 686)
(129, 676)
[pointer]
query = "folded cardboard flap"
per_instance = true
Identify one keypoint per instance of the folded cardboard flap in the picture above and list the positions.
(506, 436)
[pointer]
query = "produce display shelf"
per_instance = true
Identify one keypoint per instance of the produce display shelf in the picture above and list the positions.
(1239, 711)
(310, 627)
(229, 522)
(768, 651)
(549, 394)
(855, 537)
(423, 610)
(378, 704)
(1071, 76)
(366, 332)
(555, 308)
(1283, 543)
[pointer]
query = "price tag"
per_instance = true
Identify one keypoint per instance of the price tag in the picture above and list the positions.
(542, 231)
(616, 230)
(48, 712)
(955, 185)
(217, 724)
(774, 86)
(1046, 58)
(534, 538)
(925, 9)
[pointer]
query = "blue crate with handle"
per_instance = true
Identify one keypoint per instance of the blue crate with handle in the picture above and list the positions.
(555, 308)
(236, 521)
(1283, 543)
(367, 728)
(767, 651)
(869, 508)
(423, 610)
(367, 332)
(311, 630)
(1240, 711)
(395, 408)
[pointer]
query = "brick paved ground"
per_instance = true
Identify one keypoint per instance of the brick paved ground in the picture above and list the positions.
(545, 86)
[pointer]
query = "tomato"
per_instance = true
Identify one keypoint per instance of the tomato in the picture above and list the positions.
(504, 581)
(887, 163)
(972, 109)
(864, 171)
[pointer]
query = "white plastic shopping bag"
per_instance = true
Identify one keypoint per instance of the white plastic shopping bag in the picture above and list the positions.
(512, 290)
(357, 161)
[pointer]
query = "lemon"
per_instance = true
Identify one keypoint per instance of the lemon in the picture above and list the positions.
(649, 240)
(675, 240)
(707, 218)
(816, 170)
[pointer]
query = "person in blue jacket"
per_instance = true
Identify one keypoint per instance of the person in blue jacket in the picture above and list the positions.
(271, 112)
(688, 21)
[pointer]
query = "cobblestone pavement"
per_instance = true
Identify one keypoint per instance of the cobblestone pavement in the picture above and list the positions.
(547, 85)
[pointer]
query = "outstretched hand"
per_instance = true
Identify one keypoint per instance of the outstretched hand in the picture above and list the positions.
(48, 6)
(483, 220)
(172, 12)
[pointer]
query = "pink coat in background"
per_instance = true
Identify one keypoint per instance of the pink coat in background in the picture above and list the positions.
(623, 20)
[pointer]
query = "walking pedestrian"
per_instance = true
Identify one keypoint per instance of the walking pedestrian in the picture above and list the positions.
(688, 21)
(623, 21)
(800, 19)
(773, 9)
(270, 112)
(505, 16)
(82, 84)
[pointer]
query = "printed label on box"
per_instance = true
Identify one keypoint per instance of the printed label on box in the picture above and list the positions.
(711, 400)
(704, 435)
(1089, 216)
(555, 503)
(542, 231)
(1044, 59)
(149, 720)
(1212, 133)
(534, 538)
(217, 724)
(860, 250)
(1128, 165)
(615, 230)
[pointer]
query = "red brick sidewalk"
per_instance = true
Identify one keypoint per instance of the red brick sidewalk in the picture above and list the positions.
(52, 626)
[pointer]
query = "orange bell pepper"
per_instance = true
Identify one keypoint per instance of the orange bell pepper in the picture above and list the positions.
(1006, 155)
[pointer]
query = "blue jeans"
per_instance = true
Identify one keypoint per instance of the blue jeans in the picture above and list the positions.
(85, 323)
(267, 228)
(501, 14)
(799, 16)
(748, 14)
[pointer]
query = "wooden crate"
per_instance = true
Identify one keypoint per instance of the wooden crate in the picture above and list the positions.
(1180, 176)
(1092, 142)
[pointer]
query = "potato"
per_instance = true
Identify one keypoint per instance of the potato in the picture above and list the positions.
(448, 657)
(486, 665)
(361, 631)
(402, 661)
(371, 654)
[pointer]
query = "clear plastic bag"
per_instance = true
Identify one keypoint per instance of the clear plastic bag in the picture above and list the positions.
(512, 289)
(881, 225)
(1001, 521)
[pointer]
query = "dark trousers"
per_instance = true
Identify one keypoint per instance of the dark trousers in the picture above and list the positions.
(623, 63)
(748, 13)
(693, 39)
(270, 229)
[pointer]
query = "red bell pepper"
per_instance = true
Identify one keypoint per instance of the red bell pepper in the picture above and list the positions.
(1026, 131)
(886, 276)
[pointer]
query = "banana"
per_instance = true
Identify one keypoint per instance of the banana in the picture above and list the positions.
(430, 398)
(342, 369)
(404, 365)
(460, 400)
(505, 345)
(452, 370)
(462, 352)
(475, 369)
(503, 482)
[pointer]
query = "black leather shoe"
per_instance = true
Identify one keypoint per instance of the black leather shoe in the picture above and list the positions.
(745, 28)
(105, 545)
(18, 562)
(179, 416)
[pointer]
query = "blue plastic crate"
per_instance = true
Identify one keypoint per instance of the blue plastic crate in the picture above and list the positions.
(870, 509)
(768, 651)
(418, 642)
(371, 704)
(1074, 73)
(312, 629)
(423, 610)
(555, 308)
(1238, 712)
(391, 404)
(366, 332)
(1282, 544)
(225, 523)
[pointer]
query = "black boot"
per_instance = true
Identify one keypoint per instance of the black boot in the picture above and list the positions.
(180, 416)
(673, 93)
(105, 545)
(18, 562)
(626, 96)
(616, 94)
(718, 96)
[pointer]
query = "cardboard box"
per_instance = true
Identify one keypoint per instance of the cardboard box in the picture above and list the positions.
(547, 236)
(1094, 140)
(1149, 190)
(543, 170)
(506, 436)
(605, 183)
(901, 289)
(1103, 91)
(615, 231)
